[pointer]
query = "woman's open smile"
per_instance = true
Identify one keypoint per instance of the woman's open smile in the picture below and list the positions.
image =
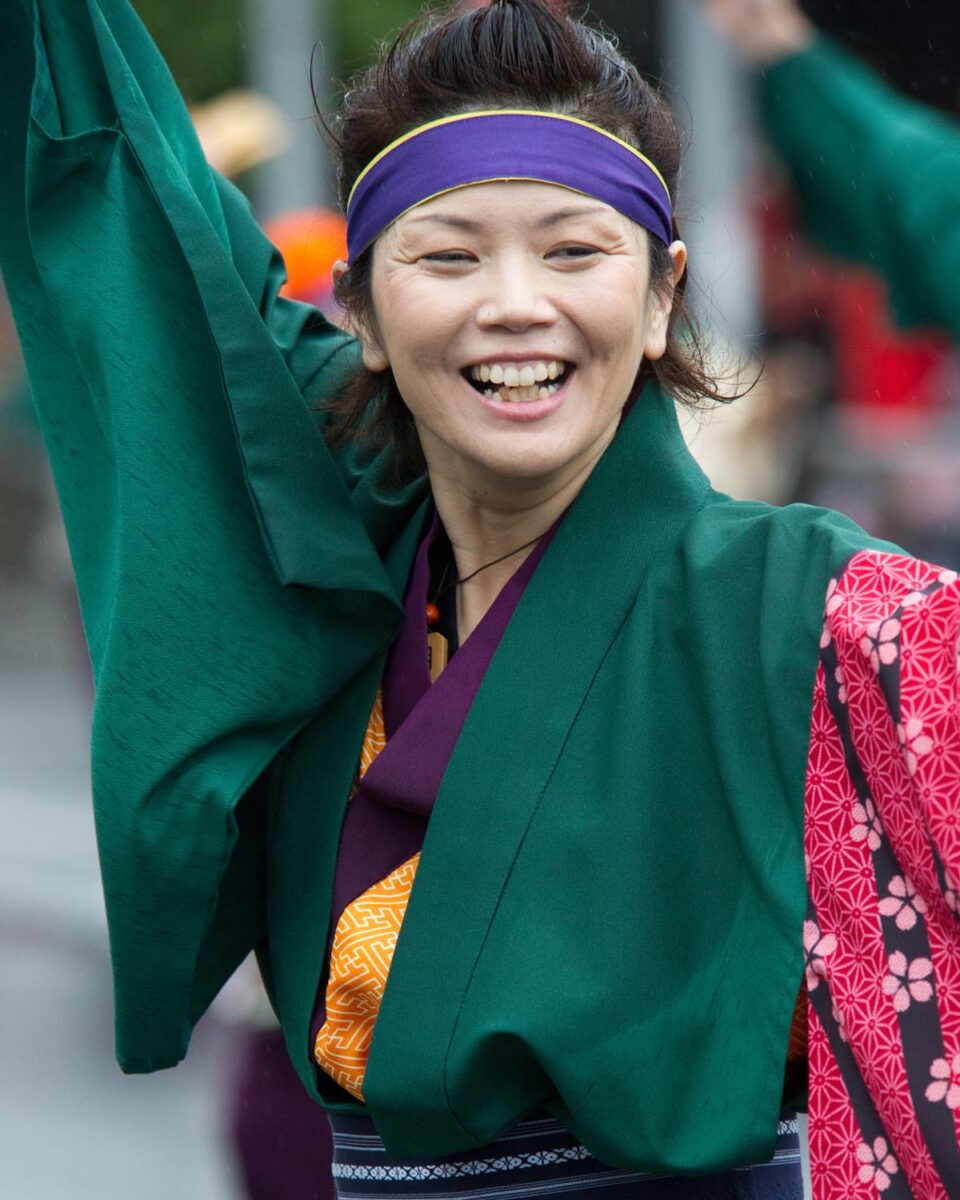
(522, 381)
(527, 389)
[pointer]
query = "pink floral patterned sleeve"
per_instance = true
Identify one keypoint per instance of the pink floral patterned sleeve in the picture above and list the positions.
(882, 841)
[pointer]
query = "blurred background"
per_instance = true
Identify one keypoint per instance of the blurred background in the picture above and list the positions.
(849, 412)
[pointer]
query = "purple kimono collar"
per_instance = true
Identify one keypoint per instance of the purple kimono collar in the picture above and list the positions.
(423, 721)
(387, 817)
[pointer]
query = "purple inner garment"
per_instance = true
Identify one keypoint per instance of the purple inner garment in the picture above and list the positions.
(388, 814)
(534, 146)
(386, 819)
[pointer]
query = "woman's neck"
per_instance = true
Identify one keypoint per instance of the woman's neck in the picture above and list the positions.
(483, 528)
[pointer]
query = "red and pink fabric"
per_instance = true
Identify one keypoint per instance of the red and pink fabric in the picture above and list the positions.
(882, 844)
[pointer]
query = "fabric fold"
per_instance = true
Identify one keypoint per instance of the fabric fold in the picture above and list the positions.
(173, 387)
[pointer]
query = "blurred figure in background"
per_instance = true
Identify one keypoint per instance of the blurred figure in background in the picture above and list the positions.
(239, 130)
(875, 179)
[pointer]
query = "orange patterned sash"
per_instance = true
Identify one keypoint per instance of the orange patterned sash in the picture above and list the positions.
(363, 945)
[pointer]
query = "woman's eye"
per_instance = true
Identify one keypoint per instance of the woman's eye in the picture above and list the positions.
(572, 253)
(453, 257)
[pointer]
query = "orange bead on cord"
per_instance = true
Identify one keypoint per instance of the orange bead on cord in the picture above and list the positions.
(433, 615)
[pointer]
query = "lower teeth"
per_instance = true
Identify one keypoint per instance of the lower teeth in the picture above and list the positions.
(522, 395)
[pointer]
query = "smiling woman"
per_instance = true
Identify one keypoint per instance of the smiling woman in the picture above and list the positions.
(547, 299)
(504, 57)
(542, 253)
(441, 676)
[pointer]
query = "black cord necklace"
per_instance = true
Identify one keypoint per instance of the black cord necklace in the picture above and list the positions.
(441, 589)
(438, 647)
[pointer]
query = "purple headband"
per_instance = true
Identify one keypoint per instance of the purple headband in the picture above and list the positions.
(506, 144)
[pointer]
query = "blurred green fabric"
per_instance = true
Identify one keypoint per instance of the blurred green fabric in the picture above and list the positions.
(877, 175)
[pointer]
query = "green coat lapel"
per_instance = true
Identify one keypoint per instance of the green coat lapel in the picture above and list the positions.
(582, 591)
(310, 788)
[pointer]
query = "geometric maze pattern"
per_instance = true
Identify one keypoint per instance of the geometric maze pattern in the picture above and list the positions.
(363, 945)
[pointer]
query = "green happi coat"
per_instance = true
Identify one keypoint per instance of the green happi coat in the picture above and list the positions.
(607, 913)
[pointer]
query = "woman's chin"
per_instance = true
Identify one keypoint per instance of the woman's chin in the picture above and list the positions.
(531, 462)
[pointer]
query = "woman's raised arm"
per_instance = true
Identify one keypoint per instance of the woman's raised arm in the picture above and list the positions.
(170, 380)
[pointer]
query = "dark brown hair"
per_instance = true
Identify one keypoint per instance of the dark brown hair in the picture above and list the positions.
(508, 54)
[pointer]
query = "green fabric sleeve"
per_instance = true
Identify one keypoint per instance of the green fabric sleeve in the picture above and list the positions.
(878, 176)
(227, 585)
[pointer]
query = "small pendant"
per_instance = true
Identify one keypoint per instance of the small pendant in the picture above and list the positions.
(437, 648)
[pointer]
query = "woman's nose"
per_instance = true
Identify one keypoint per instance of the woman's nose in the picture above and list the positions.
(516, 299)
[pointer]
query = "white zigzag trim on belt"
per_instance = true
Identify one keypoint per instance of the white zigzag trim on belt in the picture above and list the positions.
(480, 1166)
(421, 1172)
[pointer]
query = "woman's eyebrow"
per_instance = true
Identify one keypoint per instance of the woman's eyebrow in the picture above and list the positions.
(574, 210)
(554, 218)
(454, 222)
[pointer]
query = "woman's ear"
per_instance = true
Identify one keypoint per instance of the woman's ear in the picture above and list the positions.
(374, 356)
(660, 303)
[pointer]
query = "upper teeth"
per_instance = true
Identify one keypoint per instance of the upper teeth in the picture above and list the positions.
(515, 375)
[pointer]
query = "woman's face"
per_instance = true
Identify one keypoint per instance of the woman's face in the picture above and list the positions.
(515, 316)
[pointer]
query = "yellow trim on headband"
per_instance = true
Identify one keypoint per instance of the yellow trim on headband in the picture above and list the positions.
(501, 112)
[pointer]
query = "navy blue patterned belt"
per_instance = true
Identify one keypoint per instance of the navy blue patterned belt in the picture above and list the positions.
(541, 1159)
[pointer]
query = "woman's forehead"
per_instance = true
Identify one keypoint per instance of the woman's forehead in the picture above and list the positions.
(531, 203)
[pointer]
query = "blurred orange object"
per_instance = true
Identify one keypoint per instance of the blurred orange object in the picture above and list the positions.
(311, 240)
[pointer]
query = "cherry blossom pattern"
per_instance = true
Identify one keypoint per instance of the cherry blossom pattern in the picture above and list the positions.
(841, 685)
(817, 947)
(838, 1020)
(908, 980)
(950, 893)
(877, 1163)
(833, 602)
(946, 1081)
(866, 826)
(879, 643)
(914, 742)
(889, 618)
(902, 903)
